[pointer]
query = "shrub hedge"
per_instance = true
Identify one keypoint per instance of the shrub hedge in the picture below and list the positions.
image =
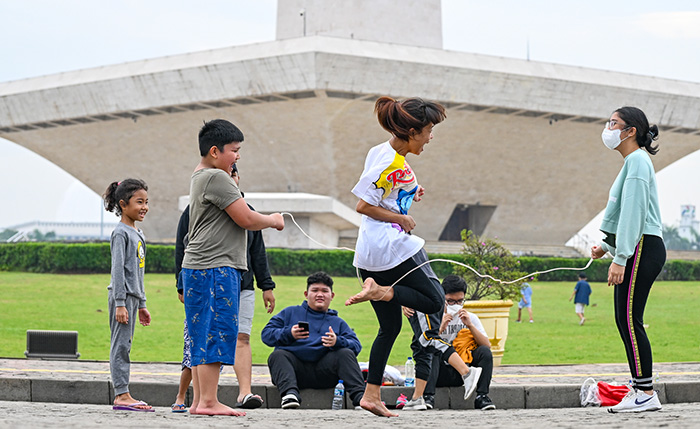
(44, 257)
(76, 258)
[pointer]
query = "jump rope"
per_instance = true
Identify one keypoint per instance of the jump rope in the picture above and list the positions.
(590, 261)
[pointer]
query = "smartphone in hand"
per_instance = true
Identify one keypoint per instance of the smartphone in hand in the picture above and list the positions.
(304, 326)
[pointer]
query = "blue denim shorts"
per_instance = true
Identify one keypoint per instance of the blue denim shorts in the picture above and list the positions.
(211, 309)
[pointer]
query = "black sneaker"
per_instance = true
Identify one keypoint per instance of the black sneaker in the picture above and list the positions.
(483, 402)
(290, 401)
(429, 401)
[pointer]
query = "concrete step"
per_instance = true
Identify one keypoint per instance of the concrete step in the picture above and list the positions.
(163, 394)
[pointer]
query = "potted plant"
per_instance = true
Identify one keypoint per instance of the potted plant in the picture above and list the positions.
(489, 299)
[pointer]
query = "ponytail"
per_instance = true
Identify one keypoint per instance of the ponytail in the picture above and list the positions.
(110, 201)
(405, 118)
(651, 136)
(121, 191)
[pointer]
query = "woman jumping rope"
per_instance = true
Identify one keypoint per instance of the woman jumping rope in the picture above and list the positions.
(632, 224)
(385, 249)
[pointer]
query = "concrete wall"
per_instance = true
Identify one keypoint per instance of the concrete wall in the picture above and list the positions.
(522, 136)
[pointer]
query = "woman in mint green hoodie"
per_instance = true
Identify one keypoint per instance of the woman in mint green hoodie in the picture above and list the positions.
(632, 225)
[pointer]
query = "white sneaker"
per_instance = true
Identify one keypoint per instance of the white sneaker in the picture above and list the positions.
(470, 381)
(589, 393)
(582, 320)
(417, 404)
(637, 401)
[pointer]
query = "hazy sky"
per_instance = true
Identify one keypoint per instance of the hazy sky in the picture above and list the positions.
(44, 37)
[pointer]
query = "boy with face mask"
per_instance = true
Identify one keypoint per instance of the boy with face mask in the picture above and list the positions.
(466, 338)
(437, 349)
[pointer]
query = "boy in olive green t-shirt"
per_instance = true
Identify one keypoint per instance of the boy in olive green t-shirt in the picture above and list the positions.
(214, 258)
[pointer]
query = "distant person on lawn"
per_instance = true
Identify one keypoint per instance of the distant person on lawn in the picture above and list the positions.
(582, 291)
(525, 301)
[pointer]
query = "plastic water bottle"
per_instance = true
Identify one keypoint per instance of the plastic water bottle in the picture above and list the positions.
(410, 380)
(338, 396)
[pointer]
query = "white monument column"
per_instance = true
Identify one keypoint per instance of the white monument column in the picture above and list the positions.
(405, 22)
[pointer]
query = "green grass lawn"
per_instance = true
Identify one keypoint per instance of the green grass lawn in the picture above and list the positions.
(555, 337)
(79, 302)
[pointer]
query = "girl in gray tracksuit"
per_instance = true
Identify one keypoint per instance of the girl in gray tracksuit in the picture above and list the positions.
(127, 296)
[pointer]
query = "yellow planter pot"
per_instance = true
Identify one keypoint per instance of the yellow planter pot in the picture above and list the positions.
(494, 317)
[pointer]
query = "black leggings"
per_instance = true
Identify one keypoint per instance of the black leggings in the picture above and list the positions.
(630, 300)
(428, 343)
(418, 291)
(443, 375)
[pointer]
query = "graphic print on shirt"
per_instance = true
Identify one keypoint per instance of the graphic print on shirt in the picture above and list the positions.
(141, 254)
(398, 175)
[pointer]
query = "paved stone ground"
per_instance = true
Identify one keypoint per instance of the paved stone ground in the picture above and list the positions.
(503, 375)
(47, 415)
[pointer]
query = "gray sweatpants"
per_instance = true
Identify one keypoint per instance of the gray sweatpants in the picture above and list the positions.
(120, 346)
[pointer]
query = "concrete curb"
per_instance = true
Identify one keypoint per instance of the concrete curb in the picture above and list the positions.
(163, 394)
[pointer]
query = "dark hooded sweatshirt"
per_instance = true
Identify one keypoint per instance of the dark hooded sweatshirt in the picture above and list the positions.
(278, 332)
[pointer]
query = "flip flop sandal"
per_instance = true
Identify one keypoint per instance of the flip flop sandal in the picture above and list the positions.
(178, 408)
(250, 402)
(133, 407)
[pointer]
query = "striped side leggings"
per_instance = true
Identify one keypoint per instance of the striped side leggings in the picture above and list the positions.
(631, 299)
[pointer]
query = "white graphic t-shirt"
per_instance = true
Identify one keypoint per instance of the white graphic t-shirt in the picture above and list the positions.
(388, 182)
(456, 325)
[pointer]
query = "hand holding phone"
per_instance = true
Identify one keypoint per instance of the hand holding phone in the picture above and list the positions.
(300, 330)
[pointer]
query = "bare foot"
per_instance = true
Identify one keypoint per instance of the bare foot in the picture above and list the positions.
(217, 409)
(376, 408)
(371, 291)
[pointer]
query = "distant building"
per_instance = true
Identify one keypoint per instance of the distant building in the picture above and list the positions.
(66, 231)
(512, 160)
(689, 227)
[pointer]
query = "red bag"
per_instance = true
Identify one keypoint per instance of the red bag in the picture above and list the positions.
(610, 394)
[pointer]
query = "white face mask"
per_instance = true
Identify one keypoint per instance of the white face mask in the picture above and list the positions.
(611, 138)
(453, 309)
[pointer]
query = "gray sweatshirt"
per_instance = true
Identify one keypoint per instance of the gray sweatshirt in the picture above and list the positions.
(128, 246)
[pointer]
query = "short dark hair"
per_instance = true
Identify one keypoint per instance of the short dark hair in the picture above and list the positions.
(319, 277)
(454, 284)
(582, 276)
(219, 133)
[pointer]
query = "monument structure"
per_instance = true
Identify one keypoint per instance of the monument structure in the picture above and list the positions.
(514, 158)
